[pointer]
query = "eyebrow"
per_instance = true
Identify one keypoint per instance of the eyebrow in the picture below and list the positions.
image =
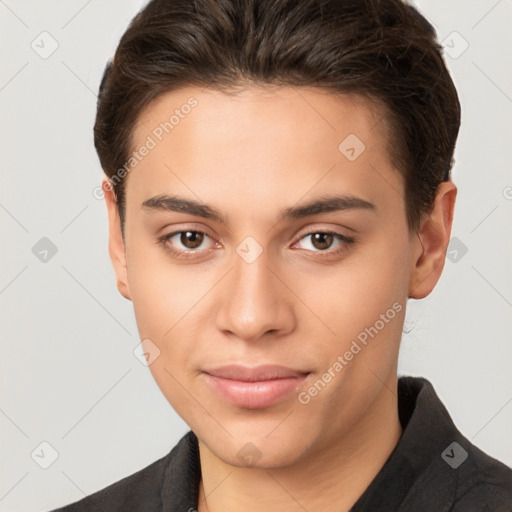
(323, 204)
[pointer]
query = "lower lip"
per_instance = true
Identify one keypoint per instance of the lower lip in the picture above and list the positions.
(254, 395)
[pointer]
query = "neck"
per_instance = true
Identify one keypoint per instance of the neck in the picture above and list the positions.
(330, 480)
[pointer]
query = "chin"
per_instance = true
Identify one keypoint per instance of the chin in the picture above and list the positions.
(259, 450)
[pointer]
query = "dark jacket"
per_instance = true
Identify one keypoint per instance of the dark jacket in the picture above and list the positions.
(433, 468)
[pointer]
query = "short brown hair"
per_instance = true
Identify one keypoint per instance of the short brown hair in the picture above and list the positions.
(382, 49)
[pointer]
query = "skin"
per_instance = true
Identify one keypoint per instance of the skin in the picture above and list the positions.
(250, 155)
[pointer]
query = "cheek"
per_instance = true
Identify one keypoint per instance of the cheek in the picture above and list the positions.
(170, 305)
(165, 303)
(335, 303)
(364, 286)
(154, 302)
(162, 293)
(362, 301)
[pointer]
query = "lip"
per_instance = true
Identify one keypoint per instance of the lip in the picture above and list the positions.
(254, 388)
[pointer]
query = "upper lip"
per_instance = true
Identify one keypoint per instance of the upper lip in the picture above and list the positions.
(264, 372)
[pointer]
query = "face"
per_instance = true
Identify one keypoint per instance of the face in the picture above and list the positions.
(267, 228)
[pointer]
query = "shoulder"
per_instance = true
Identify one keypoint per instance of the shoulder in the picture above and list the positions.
(459, 478)
(145, 482)
(483, 484)
(449, 472)
(138, 491)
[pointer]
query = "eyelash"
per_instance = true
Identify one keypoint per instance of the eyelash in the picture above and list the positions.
(347, 241)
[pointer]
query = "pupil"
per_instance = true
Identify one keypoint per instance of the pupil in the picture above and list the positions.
(191, 239)
(321, 238)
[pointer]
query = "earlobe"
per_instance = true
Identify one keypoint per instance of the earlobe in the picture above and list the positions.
(432, 242)
(115, 241)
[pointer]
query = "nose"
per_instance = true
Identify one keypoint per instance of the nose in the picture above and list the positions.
(253, 301)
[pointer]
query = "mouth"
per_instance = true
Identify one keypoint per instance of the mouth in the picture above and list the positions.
(254, 388)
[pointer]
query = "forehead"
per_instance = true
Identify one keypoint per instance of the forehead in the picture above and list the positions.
(274, 108)
(261, 142)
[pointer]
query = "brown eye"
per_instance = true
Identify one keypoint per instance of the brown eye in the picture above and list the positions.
(191, 239)
(322, 241)
(187, 244)
(325, 243)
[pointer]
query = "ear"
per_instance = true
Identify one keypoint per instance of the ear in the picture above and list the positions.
(115, 240)
(433, 237)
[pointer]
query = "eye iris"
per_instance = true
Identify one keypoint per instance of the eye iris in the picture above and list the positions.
(191, 239)
(322, 240)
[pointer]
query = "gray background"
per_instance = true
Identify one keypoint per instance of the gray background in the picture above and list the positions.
(68, 373)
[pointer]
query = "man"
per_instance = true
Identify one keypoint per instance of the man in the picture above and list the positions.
(278, 186)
